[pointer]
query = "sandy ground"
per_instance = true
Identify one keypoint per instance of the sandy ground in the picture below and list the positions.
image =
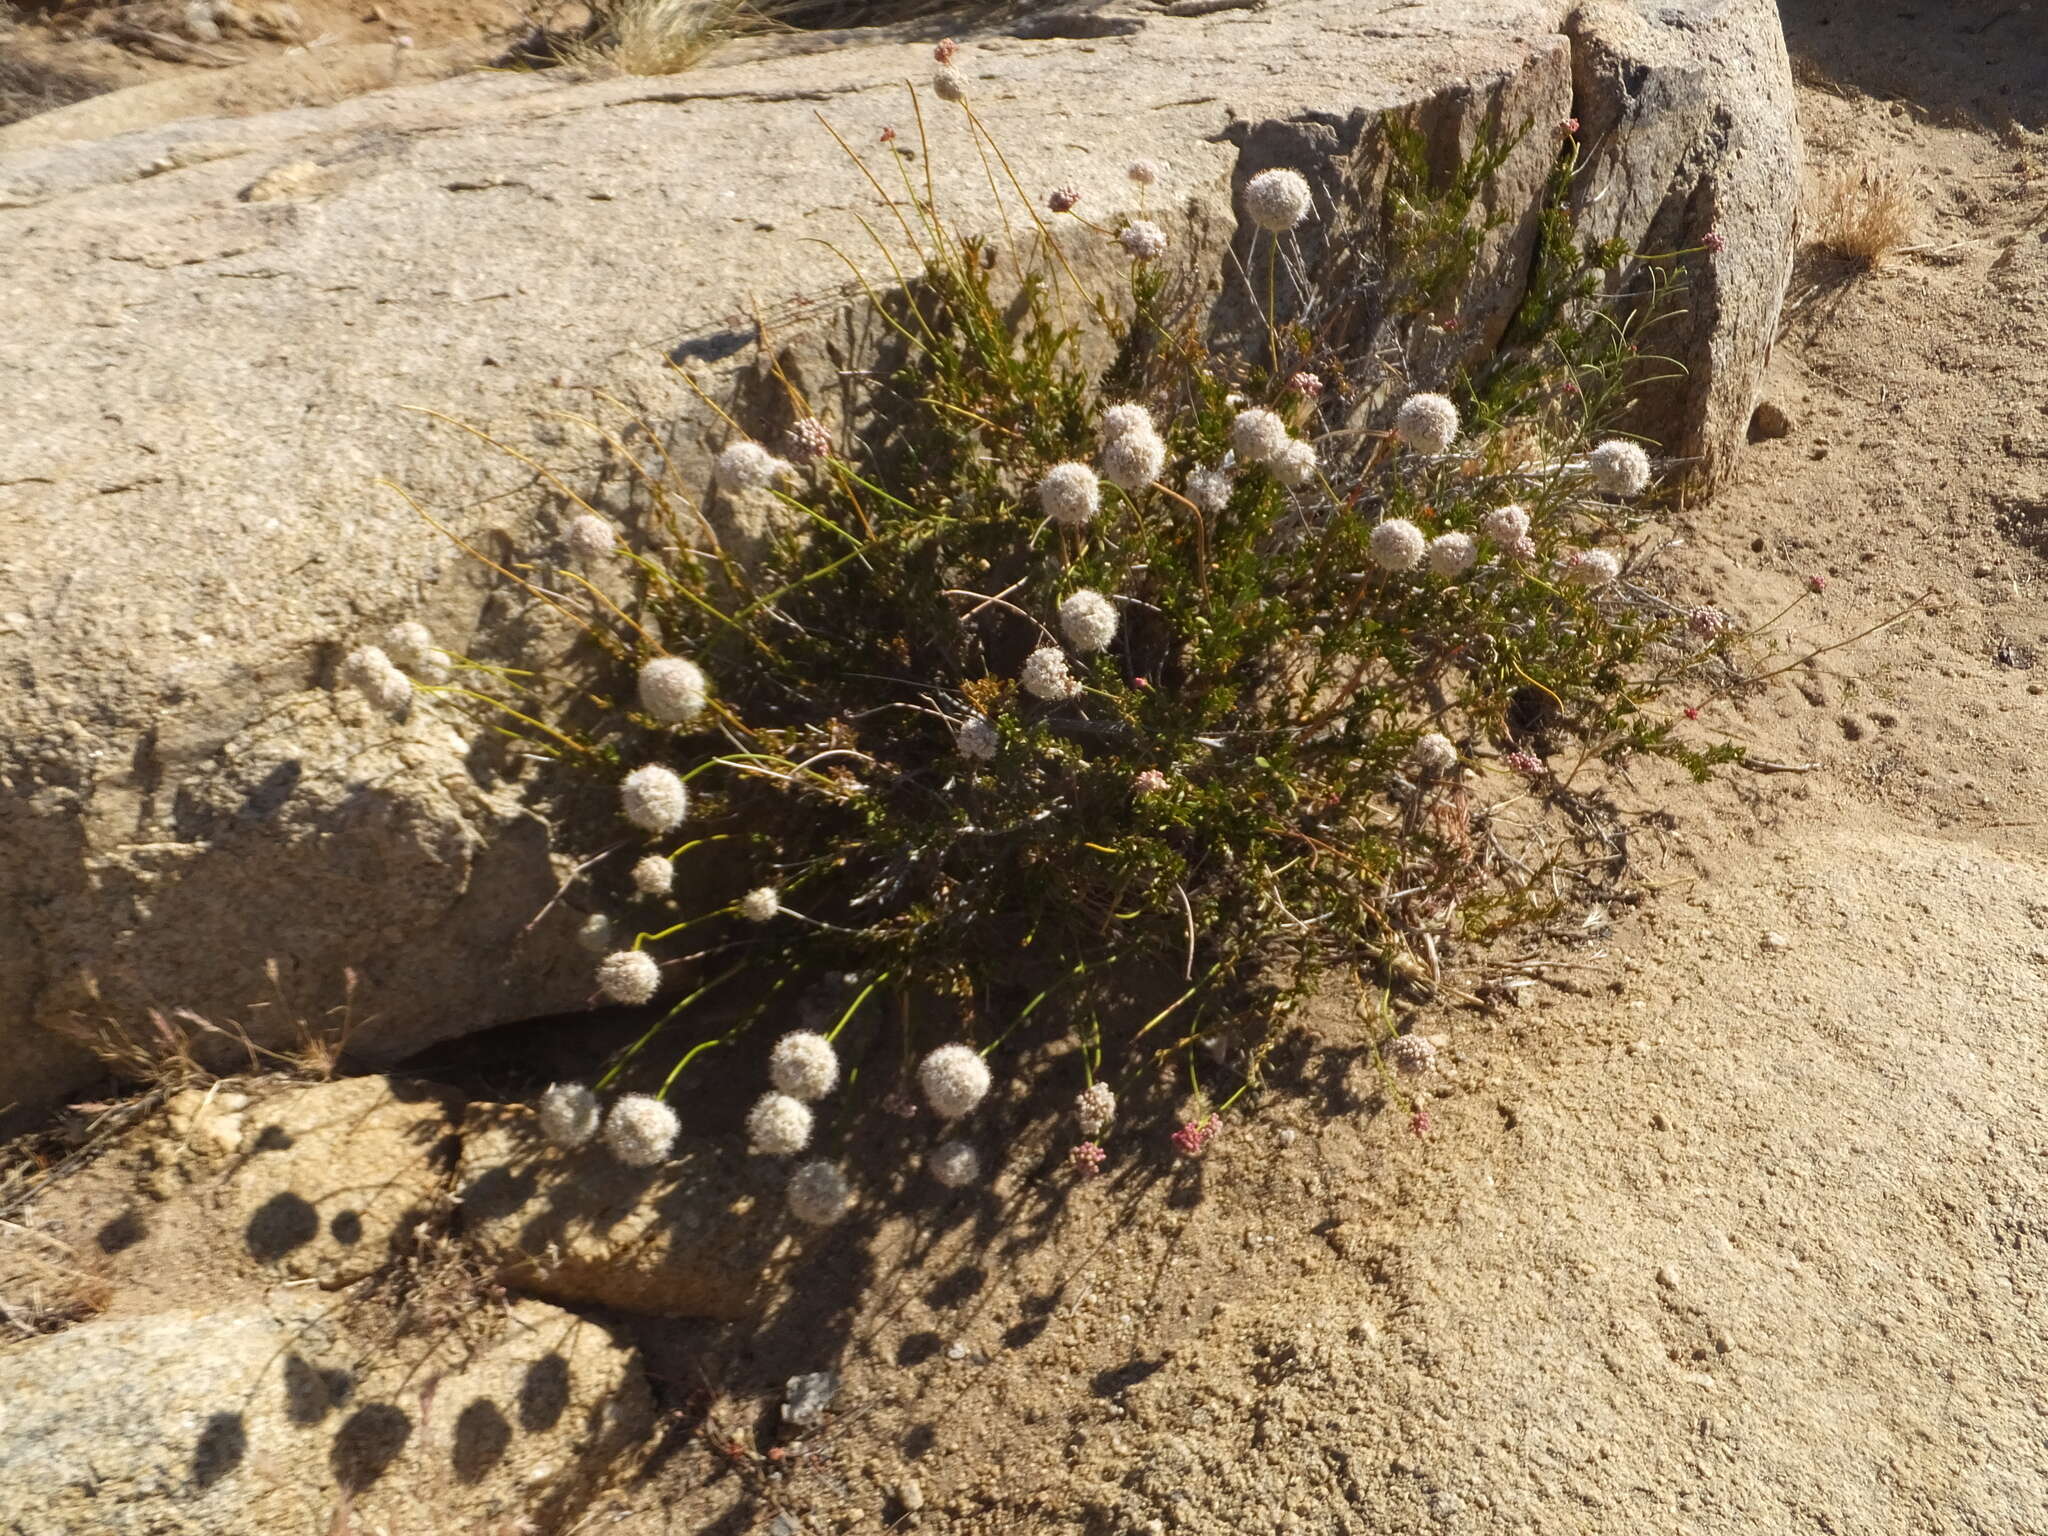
(1732, 1219)
(94, 68)
(1738, 1223)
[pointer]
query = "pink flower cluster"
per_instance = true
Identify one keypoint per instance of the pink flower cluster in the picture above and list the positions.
(1194, 1137)
(1086, 1159)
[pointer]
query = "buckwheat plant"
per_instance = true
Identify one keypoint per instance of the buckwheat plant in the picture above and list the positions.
(1120, 703)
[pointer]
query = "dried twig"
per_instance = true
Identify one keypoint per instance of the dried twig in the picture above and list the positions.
(568, 880)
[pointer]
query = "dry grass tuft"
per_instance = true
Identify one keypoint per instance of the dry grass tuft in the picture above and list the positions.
(667, 37)
(46, 1285)
(1863, 215)
(181, 1047)
(31, 84)
(656, 37)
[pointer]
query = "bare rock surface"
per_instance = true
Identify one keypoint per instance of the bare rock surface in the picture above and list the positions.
(703, 1235)
(276, 1419)
(220, 329)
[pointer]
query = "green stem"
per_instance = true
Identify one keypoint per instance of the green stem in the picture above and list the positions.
(626, 1057)
(854, 1006)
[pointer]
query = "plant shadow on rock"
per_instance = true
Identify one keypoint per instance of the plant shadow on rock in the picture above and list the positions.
(914, 1249)
(222, 1445)
(367, 1443)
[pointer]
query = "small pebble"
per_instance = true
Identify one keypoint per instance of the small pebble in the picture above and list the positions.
(1776, 941)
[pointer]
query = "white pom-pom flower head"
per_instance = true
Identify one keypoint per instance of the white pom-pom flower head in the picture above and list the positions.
(654, 876)
(629, 976)
(976, 739)
(1209, 490)
(1143, 240)
(1133, 460)
(1397, 545)
(1088, 620)
(568, 1115)
(1095, 1109)
(673, 689)
(1257, 436)
(1619, 467)
(803, 1065)
(640, 1131)
(1435, 754)
(779, 1125)
(1507, 526)
(747, 466)
(1452, 554)
(954, 1079)
(954, 1164)
(1126, 420)
(654, 798)
(1070, 494)
(1277, 200)
(760, 904)
(1427, 423)
(592, 538)
(1045, 675)
(411, 646)
(1295, 465)
(1591, 568)
(819, 1194)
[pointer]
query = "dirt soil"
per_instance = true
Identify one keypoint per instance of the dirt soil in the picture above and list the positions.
(143, 62)
(1737, 1223)
(1731, 1210)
